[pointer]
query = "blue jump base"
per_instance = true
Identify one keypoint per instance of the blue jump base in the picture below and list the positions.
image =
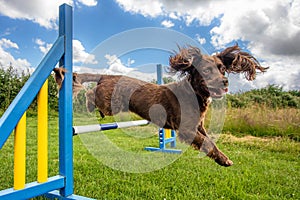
(177, 151)
(56, 195)
(164, 141)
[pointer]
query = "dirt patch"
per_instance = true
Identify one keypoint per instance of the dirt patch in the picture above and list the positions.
(248, 139)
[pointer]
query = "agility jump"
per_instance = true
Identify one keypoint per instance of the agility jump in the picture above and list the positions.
(59, 186)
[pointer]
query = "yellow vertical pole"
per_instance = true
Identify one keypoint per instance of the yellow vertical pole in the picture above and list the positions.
(20, 154)
(42, 101)
(167, 133)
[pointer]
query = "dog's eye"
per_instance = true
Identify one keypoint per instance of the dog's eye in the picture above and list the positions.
(206, 71)
(222, 68)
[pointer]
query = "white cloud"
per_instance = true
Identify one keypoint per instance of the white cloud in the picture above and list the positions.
(189, 10)
(7, 31)
(116, 66)
(6, 44)
(43, 46)
(250, 21)
(174, 15)
(79, 53)
(271, 30)
(266, 25)
(167, 23)
(85, 69)
(144, 7)
(200, 39)
(7, 59)
(88, 2)
(279, 75)
(41, 12)
(130, 62)
(39, 42)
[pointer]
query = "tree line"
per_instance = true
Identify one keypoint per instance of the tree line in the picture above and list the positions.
(11, 83)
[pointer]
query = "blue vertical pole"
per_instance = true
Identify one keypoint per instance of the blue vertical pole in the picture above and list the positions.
(160, 80)
(161, 138)
(173, 136)
(65, 103)
(161, 131)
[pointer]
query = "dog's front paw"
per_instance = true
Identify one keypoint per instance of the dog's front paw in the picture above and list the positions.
(219, 157)
(222, 160)
(225, 163)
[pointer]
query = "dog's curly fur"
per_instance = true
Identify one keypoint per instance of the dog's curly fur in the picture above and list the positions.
(237, 61)
(182, 105)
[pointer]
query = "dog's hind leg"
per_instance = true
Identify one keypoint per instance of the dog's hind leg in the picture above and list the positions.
(101, 114)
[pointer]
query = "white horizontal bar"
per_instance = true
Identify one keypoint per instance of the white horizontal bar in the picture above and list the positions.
(132, 123)
(86, 129)
(109, 126)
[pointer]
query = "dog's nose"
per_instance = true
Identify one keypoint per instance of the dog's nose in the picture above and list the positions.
(225, 81)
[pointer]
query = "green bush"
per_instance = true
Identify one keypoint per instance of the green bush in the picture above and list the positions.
(271, 96)
(11, 83)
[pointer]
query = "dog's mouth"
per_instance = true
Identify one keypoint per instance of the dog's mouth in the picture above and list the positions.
(217, 92)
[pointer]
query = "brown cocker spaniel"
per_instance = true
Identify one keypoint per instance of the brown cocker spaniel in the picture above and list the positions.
(180, 106)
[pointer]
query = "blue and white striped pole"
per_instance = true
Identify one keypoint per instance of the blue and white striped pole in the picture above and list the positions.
(102, 127)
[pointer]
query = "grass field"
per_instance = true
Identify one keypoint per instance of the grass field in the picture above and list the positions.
(264, 167)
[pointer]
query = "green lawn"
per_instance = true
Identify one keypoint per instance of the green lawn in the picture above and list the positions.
(264, 168)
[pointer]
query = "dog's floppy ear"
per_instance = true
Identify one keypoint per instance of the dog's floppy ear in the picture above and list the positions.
(77, 81)
(75, 75)
(237, 61)
(59, 75)
(185, 59)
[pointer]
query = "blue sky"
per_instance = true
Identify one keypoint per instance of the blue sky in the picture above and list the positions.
(271, 32)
